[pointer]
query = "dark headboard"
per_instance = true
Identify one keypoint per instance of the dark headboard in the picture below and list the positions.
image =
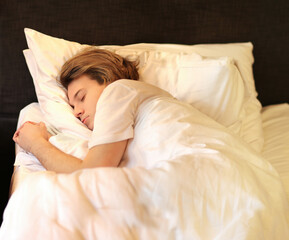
(263, 22)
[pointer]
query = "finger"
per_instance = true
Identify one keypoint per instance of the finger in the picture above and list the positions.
(23, 125)
(17, 132)
(15, 138)
(20, 127)
(42, 124)
(34, 123)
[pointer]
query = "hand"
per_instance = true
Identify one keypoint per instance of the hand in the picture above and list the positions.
(30, 134)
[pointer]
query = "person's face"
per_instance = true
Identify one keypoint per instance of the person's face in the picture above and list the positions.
(83, 94)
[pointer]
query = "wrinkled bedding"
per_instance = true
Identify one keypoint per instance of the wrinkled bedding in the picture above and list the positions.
(222, 190)
(276, 133)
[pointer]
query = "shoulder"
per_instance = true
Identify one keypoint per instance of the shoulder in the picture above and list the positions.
(119, 93)
(123, 92)
(126, 85)
(121, 87)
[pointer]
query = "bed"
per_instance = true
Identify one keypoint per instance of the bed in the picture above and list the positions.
(227, 60)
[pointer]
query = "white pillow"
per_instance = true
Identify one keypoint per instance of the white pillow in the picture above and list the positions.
(240, 99)
(214, 86)
(53, 101)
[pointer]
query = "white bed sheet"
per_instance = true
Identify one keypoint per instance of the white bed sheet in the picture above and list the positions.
(223, 191)
(275, 120)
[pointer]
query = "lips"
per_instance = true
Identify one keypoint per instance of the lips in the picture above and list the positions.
(84, 120)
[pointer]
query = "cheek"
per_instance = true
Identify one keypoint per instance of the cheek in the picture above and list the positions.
(92, 101)
(91, 109)
(92, 106)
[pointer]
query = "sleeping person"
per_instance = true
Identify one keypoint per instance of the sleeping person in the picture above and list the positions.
(103, 90)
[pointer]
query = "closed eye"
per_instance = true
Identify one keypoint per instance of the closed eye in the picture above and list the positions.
(79, 96)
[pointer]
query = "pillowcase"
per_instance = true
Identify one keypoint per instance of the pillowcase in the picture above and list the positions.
(53, 101)
(176, 68)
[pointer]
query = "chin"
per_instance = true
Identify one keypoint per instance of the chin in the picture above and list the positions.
(90, 127)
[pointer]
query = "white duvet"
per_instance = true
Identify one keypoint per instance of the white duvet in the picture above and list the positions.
(221, 190)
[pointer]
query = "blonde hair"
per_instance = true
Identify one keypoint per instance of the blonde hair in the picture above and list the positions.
(101, 65)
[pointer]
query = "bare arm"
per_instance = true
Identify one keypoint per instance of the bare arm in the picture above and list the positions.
(34, 138)
(53, 159)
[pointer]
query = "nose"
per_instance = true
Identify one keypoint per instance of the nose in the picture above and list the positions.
(78, 112)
